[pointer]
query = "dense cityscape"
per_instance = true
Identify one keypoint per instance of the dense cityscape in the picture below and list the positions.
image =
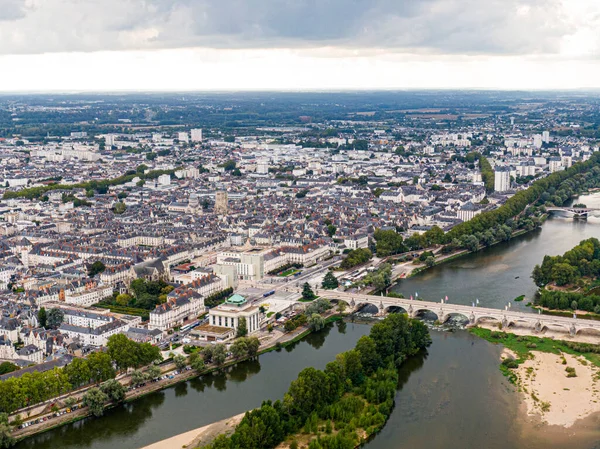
(150, 238)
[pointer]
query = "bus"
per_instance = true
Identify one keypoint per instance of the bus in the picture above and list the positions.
(272, 292)
(190, 326)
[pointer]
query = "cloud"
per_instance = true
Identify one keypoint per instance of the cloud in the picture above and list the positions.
(495, 27)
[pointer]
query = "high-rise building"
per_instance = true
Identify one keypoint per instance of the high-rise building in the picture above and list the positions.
(221, 203)
(546, 136)
(501, 179)
(196, 135)
(183, 137)
(537, 140)
(109, 140)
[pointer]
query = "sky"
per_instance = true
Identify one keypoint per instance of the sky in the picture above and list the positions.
(182, 45)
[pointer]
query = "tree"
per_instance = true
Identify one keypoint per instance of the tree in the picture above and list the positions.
(316, 322)
(307, 292)
(564, 274)
(100, 366)
(137, 378)
(197, 362)
(153, 372)
(330, 281)
(42, 317)
(242, 329)
(331, 230)
(341, 307)
(207, 352)
(78, 372)
(6, 439)
(7, 367)
(180, 362)
(253, 344)
(123, 351)
(356, 257)
(55, 318)
(219, 354)
(123, 299)
(114, 390)
(239, 348)
(96, 268)
(119, 208)
(430, 262)
(95, 399)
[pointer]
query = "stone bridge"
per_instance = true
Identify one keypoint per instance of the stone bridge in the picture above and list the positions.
(534, 322)
(580, 211)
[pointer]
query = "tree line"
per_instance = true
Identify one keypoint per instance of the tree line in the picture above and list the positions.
(353, 395)
(35, 387)
(100, 187)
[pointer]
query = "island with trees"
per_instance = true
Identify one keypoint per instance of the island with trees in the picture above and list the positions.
(571, 281)
(342, 405)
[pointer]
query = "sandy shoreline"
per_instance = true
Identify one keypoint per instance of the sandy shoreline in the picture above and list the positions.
(548, 393)
(200, 436)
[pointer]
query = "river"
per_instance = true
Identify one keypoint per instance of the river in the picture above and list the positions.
(454, 396)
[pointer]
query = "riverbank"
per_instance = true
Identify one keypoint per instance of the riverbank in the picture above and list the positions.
(152, 387)
(199, 437)
(464, 252)
(557, 379)
(550, 391)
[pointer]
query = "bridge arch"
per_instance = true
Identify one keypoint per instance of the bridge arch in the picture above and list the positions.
(554, 327)
(424, 313)
(479, 319)
(367, 307)
(592, 331)
(448, 316)
(395, 309)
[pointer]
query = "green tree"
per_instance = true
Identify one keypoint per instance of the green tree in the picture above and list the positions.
(96, 268)
(330, 282)
(95, 399)
(54, 318)
(122, 351)
(6, 439)
(153, 372)
(316, 322)
(180, 362)
(253, 344)
(242, 328)
(100, 366)
(239, 348)
(42, 317)
(564, 274)
(114, 390)
(430, 262)
(197, 362)
(119, 208)
(331, 230)
(219, 354)
(307, 292)
(137, 378)
(78, 372)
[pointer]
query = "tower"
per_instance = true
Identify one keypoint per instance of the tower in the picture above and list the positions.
(221, 203)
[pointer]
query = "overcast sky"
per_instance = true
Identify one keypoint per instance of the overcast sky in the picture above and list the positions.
(298, 44)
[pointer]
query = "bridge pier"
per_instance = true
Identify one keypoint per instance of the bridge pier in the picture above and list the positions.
(572, 330)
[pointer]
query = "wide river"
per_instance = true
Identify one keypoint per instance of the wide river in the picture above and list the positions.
(452, 397)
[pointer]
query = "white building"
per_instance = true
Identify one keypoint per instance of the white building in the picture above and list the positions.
(502, 179)
(546, 136)
(226, 317)
(164, 180)
(537, 140)
(175, 312)
(555, 164)
(183, 137)
(197, 135)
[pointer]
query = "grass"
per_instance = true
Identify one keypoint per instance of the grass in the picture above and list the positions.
(519, 298)
(288, 272)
